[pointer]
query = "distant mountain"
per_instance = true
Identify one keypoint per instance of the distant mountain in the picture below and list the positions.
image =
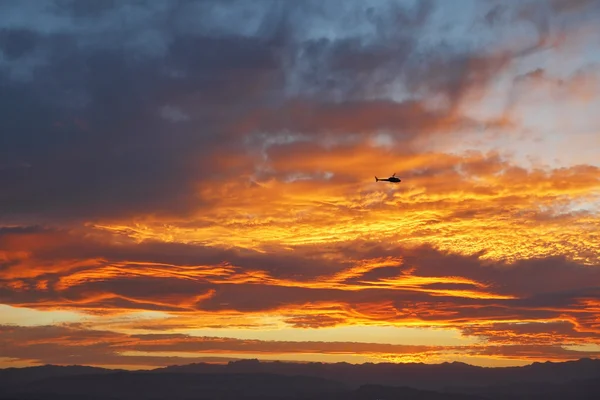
(174, 386)
(580, 389)
(182, 386)
(253, 380)
(17, 376)
(417, 375)
(372, 392)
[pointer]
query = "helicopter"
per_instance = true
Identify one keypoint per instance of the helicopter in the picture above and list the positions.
(392, 179)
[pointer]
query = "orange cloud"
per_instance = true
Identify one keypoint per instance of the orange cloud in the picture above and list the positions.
(303, 288)
(452, 202)
(471, 242)
(70, 345)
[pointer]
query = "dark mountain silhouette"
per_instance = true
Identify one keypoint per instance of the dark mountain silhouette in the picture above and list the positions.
(16, 376)
(169, 386)
(175, 386)
(417, 375)
(371, 392)
(581, 389)
(251, 379)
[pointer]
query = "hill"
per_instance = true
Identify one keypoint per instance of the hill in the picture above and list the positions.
(252, 380)
(416, 375)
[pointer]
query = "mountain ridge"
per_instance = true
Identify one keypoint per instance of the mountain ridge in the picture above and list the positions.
(247, 380)
(416, 375)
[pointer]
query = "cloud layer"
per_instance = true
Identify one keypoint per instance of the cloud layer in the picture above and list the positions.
(211, 164)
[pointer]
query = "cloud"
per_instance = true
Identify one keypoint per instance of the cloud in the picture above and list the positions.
(47, 344)
(366, 284)
(213, 161)
(72, 345)
(89, 122)
(173, 114)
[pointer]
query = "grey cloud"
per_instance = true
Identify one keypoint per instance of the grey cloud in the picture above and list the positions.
(562, 6)
(173, 114)
(15, 43)
(83, 110)
(112, 154)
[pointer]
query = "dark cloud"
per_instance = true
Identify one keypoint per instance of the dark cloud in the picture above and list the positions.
(572, 5)
(116, 156)
(84, 133)
(15, 43)
(523, 278)
(87, 121)
(530, 332)
(496, 14)
(49, 246)
(344, 120)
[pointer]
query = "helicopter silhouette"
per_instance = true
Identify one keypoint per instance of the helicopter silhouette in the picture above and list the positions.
(392, 179)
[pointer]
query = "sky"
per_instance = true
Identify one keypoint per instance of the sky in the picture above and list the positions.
(193, 181)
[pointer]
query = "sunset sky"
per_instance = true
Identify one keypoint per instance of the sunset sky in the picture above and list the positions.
(189, 181)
